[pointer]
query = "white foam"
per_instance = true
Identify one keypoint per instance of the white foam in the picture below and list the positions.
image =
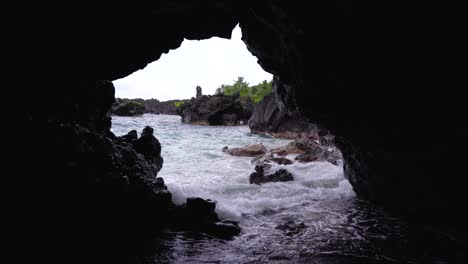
(194, 165)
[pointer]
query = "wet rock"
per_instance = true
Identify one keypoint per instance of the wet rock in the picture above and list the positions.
(224, 149)
(290, 148)
(281, 161)
(269, 158)
(248, 151)
(130, 137)
(320, 154)
(308, 156)
(201, 210)
(259, 176)
(199, 215)
(149, 146)
(225, 229)
(297, 146)
(307, 144)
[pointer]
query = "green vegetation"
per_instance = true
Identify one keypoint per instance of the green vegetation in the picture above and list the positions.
(126, 107)
(133, 104)
(179, 104)
(241, 88)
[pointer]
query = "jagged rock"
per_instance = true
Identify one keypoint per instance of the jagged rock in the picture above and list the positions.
(131, 137)
(215, 110)
(149, 146)
(259, 177)
(272, 117)
(224, 229)
(281, 160)
(199, 92)
(268, 158)
(317, 152)
(248, 151)
(290, 148)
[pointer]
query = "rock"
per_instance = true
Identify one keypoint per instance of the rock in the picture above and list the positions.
(320, 154)
(308, 156)
(225, 149)
(201, 210)
(130, 137)
(149, 146)
(307, 144)
(199, 92)
(154, 106)
(215, 110)
(273, 117)
(248, 151)
(259, 177)
(199, 215)
(128, 107)
(268, 158)
(290, 148)
(225, 229)
(281, 161)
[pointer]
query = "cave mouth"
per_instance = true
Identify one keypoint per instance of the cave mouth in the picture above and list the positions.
(208, 64)
(72, 124)
(281, 220)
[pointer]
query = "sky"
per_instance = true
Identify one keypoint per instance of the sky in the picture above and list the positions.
(207, 63)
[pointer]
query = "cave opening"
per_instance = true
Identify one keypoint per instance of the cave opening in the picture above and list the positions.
(378, 74)
(204, 157)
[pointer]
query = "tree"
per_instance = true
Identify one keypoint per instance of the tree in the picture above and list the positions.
(242, 89)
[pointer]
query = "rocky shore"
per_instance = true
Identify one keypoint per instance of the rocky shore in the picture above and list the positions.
(138, 106)
(300, 150)
(215, 110)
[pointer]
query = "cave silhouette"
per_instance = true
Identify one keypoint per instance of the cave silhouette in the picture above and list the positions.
(397, 110)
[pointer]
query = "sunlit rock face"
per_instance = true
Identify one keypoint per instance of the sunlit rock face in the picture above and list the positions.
(375, 76)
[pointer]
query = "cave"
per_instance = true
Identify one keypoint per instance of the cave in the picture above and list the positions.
(397, 111)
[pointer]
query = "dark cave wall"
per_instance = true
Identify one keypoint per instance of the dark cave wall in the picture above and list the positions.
(376, 76)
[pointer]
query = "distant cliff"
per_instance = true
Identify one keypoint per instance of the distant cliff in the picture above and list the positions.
(153, 106)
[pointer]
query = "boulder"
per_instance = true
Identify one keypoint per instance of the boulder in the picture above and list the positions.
(281, 161)
(259, 177)
(149, 146)
(215, 110)
(290, 148)
(248, 151)
(269, 158)
(131, 137)
(224, 229)
(199, 215)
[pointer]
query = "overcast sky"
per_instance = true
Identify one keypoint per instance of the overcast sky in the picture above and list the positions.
(208, 63)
